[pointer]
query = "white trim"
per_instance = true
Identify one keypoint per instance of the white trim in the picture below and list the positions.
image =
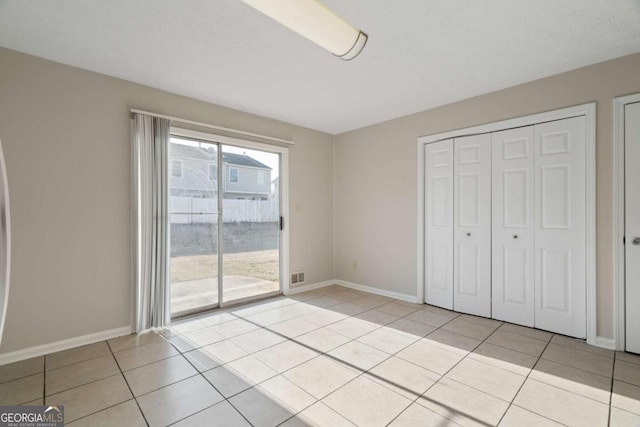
(284, 211)
(589, 113)
(298, 289)
(604, 342)
(618, 218)
(377, 291)
(177, 121)
(41, 350)
(590, 199)
(548, 116)
(420, 294)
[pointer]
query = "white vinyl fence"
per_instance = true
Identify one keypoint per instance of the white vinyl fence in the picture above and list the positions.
(194, 210)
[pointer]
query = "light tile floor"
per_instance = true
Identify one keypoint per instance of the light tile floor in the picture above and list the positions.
(334, 357)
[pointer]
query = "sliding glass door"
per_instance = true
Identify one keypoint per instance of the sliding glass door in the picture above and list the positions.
(251, 223)
(224, 224)
(193, 225)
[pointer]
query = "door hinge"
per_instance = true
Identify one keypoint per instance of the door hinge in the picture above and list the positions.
(281, 223)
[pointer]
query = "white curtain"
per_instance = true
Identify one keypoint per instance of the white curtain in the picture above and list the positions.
(151, 146)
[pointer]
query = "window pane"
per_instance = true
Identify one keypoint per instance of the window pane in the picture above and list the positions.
(193, 220)
(234, 174)
(251, 229)
(176, 168)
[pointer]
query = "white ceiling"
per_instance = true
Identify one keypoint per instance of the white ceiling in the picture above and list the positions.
(420, 53)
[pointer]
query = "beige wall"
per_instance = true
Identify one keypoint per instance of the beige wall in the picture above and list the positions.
(65, 134)
(375, 179)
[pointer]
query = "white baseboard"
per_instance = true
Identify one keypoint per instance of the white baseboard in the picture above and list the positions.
(607, 343)
(376, 291)
(41, 350)
(303, 288)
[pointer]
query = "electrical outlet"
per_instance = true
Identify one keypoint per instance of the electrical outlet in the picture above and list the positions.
(301, 277)
(294, 278)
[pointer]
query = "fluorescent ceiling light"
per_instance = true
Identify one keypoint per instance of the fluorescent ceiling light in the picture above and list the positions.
(314, 21)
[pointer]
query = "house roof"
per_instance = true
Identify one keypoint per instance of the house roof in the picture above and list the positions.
(188, 151)
(242, 160)
(191, 152)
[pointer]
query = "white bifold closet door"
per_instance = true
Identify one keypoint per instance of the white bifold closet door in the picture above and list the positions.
(513, 225)
(439, 223)
(632, 226)
(560, 227)
(472, 230)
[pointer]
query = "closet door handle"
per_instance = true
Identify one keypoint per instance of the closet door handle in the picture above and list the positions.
(515, 236)
(636, 241)
(468, 234)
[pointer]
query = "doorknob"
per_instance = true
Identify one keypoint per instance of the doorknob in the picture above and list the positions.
(515, 236)
(636, 241)
(469, 234)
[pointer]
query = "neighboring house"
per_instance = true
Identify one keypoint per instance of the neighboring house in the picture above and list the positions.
(194, 173)
(244, 177)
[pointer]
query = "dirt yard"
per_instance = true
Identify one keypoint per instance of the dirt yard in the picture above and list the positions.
(258, 264)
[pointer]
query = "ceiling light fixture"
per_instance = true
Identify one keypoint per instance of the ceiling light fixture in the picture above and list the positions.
(315, 22)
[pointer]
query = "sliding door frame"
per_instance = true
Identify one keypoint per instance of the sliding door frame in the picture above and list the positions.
(283, 153)
(588, 111)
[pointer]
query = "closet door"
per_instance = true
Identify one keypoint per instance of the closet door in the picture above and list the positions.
(512, 226)
(632, 226)
(472, 231)
(439, 223)
(560, 231)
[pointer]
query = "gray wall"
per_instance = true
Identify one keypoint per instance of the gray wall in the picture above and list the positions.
(65, 134)
(375, 191)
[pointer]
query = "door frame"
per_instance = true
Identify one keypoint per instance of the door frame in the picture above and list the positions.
(588, 111)
(283, 151)
(619, 323)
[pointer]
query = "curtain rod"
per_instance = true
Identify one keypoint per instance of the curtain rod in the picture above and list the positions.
(214, 127)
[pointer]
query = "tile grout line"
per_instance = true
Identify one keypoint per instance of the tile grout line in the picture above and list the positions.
(523, 383)
(44, 380)
(611, 389)
(224, 398)
(415, 401)
(144, 417)
(351, 340)
(326, 353)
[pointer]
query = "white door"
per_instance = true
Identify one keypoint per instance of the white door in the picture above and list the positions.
(560, 231)
(632, 226)
(439, 223)
(512, 226)
(472, 230)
